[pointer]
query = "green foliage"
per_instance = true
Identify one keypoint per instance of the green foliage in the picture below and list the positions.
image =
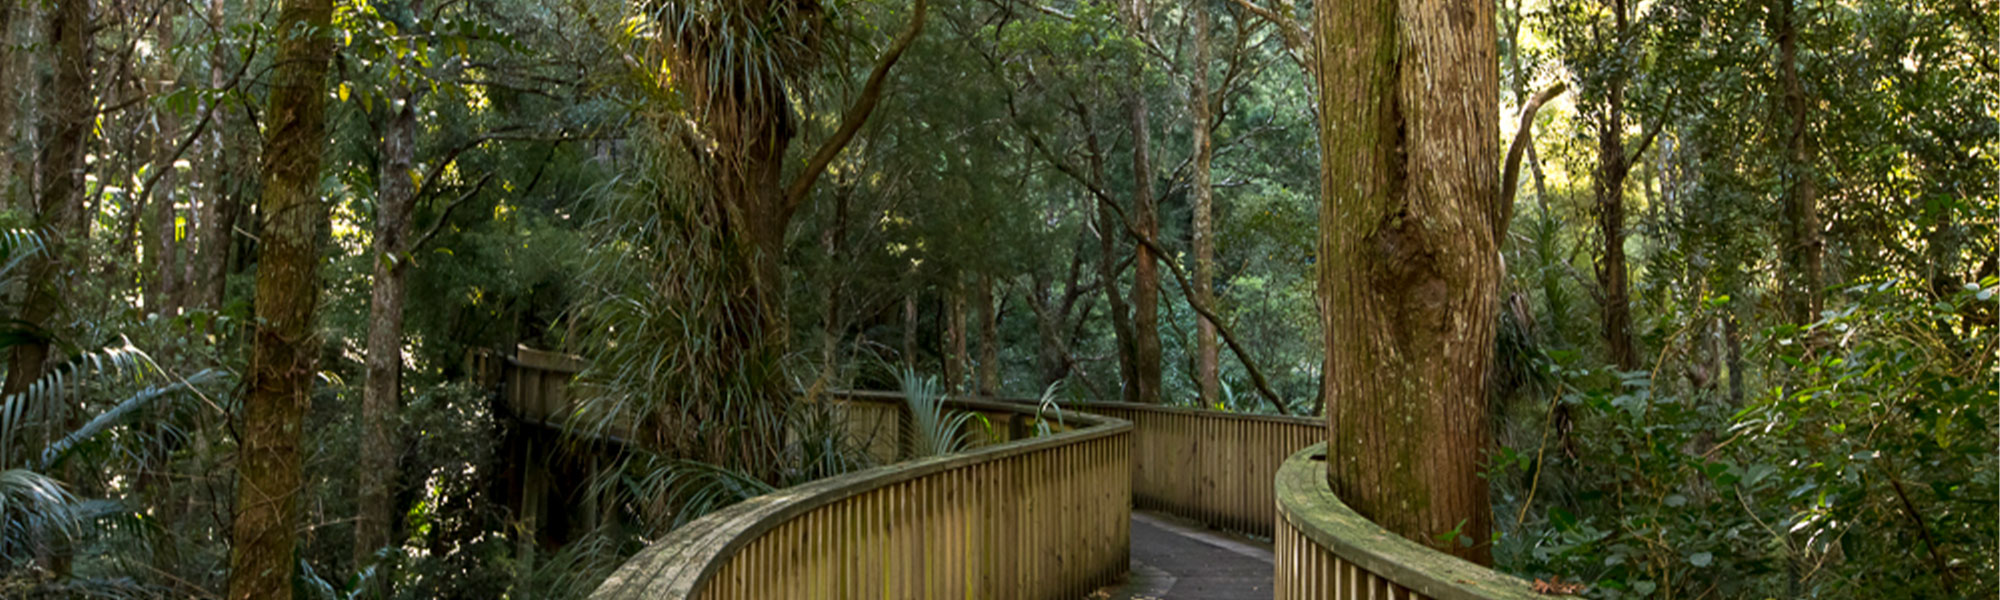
(1867, 465)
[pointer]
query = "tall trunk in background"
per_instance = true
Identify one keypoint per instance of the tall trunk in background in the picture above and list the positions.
(1207, 353)
(10, 99)
(218, 201)
(955, 334)
(1146, 268)
(1803, 245)
(833, 242)
(1609, 188)
(1409, 267)
(58, 210)
(1107, 272)
(163, 250)
(381, 396)
(910, 328)
(282, 359)
(989, 334)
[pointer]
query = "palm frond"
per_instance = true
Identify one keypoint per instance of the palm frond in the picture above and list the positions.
(117, 414)
(934, 430)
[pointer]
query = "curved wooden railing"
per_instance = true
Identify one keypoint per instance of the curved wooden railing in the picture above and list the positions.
(1326, 550)
(1209, 466)
(1033, 517)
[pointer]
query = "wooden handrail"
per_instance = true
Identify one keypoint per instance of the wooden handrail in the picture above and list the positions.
(1040, 517)
(1326, 550)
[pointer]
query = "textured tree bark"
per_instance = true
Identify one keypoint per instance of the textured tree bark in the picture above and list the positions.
(381, 396)
(1145, 267)
(1803, 243)
(989, 338)
(282, 360)
(58, 211)
(1207, 354)
(1408, 262)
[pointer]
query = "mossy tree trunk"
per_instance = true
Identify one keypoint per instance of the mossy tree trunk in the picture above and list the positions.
(58, 207)
(1408, 261)
(282, 360)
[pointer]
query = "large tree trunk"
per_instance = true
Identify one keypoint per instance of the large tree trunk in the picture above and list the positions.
(1207, 353)
(1803, 245)
(748, 124)
(58, 211)
(1408, 261)
(1146, 267)
(381, 396)
(282, 361)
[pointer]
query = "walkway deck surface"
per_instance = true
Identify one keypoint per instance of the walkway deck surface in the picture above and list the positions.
(1176, 560)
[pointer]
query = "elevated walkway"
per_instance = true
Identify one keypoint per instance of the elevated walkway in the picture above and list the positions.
(1123, 501)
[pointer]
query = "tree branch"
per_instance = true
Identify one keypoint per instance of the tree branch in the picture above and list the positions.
(445, 216)
(1510, 179)
(1180, 276)
(856, 115)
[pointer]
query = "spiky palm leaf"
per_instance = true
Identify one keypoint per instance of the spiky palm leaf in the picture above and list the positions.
(34, 507)
(934, 430)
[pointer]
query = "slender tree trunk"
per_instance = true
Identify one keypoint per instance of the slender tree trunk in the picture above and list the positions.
(163, 248)
(1611, 275)
(282, 360)
(1409, 270)
(955, 373)
(833, 242)
(910, 328)
(1803, 244)
(10, 98)
(1048, 332)
(1146, 268)
(381, 396)
(218, 199)
(1609, 188)
(1207, 353)
(1107, 273)
(58, 212)
(989, 337)
(208, 267)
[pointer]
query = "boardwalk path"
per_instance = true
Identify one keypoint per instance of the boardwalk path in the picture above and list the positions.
(1176, 560)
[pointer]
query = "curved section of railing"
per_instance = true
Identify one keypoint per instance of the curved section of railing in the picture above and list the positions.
(1326, 550)
(1209, 466)
(1033, 517)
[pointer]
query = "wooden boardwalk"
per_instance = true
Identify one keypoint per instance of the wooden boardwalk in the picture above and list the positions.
(1174, 559)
